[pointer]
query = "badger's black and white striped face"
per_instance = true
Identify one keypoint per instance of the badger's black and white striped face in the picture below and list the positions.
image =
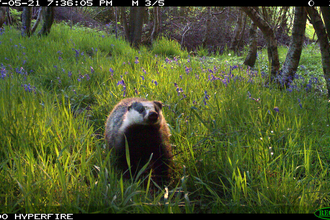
(142, 113)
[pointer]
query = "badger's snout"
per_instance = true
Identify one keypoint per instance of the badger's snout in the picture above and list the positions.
(152, 116)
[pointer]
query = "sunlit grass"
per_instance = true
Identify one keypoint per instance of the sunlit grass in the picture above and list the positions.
(239, 146)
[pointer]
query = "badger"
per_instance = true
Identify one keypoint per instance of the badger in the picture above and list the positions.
(141, 124)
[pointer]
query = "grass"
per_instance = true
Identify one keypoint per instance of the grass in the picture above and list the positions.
(239, 147)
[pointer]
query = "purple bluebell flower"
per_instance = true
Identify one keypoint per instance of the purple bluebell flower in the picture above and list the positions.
(276, 109)
(299, 103)
(187, 69)
(155, 82)
(3, 73)
(121, 82)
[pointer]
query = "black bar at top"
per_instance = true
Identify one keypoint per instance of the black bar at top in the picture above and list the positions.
(160, 3)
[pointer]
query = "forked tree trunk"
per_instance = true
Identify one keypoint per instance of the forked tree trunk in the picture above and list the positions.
(48, 18)
(34, 28)
(250, 59)
(319, 28)
(297, 39)
(269, 36)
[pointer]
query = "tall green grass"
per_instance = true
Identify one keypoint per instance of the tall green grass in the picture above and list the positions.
(239, 147)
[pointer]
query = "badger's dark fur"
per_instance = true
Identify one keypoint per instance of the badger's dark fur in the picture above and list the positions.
(144, 126)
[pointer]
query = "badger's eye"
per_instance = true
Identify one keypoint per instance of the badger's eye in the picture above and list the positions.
(140, 109)
(137, 107)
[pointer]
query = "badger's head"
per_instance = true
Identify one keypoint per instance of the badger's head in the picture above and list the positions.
(143, 113)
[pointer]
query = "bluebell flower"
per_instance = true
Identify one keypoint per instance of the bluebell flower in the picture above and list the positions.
(155, 82)
(276, 109)
(121, 82)
(299, 103)
(187, 69)
(3, 73)
(206, 96)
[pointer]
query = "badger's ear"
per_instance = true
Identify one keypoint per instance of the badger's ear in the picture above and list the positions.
(159, 104)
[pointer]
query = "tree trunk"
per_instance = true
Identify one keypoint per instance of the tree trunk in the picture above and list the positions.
(37, 21)
(135, 25)
(318, 25)
(208, 26)
(2, 16)
(297, 39)
(240, 41)
(284, 20)
(26, 21)
(116, 20)
(269, 36)
(48, 18)
(124, 22)
(326, 18)
(238, 27)
(252, 54)
(156, 25)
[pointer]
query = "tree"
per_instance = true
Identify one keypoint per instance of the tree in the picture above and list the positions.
(269, 36)
(2, 16)
(133, 32)
(237, 31)
(320, 30)
(252, 53)
(326, 18)
(37, 21)
(26, 21)
(206, 37)
(48, 19)
(156, 24)
(293, 56)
